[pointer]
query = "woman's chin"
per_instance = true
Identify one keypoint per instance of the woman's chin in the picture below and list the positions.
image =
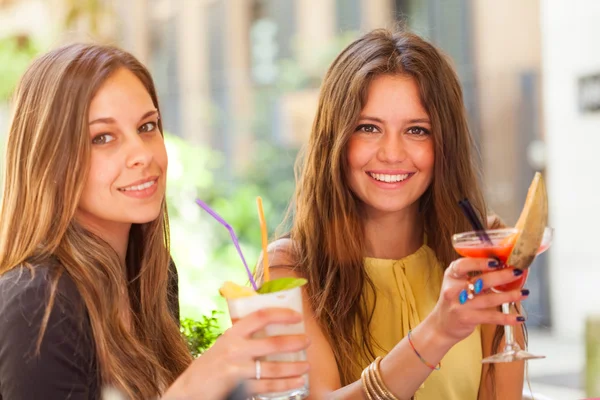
(144, 217)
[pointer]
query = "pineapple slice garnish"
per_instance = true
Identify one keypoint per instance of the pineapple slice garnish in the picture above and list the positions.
(231, 290)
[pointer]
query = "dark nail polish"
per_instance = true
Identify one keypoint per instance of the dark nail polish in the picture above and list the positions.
(493, 263)
(525, 292)
(521, 319)
(517, 272)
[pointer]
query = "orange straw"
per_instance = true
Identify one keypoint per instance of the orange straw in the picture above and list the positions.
(265, 238)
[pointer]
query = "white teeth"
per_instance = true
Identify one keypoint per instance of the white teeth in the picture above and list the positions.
(389, 178)
(138, 187)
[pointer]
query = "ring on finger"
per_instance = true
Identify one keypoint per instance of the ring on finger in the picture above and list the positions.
(258, 369)
(470, 292)
(453, 272)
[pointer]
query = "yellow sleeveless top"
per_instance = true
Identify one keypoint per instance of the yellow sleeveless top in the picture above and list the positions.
(407, 291)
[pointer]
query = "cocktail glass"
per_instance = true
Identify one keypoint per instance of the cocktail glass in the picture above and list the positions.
(469, 244)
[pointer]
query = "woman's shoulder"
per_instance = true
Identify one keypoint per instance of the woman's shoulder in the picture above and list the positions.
(282, 259)
(49, 345)
(28, 287)
(27, 291)
(282, 253)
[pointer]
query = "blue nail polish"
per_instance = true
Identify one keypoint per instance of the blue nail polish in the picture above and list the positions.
(525, 292)
(478, 286)
(521, 319)
(463, 296)
(493, 263)
(517, 272)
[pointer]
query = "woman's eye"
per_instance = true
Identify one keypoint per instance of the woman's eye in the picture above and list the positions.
(103, 138)
(367, 128)
(148, 127)
(418, 131)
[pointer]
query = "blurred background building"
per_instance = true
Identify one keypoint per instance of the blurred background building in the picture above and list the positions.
(242, 77)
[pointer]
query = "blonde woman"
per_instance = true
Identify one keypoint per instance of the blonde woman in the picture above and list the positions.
(388, 159)
(88, 295)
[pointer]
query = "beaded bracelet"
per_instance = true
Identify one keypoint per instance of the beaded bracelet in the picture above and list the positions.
(421, 358)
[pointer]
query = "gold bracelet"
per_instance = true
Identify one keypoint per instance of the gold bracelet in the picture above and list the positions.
(366, 383)
(373, 383)
(380, 393)
(381, 387)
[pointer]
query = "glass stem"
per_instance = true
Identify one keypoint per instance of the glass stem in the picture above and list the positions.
(509, 337)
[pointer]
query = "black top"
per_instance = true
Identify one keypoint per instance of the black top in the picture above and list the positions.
(66, 367)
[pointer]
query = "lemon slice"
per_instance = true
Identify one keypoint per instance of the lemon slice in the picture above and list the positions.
(531, 225)
(231, 290)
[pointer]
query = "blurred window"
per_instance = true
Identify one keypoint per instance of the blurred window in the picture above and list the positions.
(164, 66)
(347, 15)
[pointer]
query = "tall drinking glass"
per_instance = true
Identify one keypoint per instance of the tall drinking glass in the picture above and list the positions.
(292, 299)
(469, 244)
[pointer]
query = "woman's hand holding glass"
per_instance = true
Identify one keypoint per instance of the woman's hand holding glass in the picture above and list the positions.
(233, 359)
(466, 300)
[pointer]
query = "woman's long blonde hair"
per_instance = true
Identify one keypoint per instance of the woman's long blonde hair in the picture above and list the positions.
(327, 226)
(46, 164)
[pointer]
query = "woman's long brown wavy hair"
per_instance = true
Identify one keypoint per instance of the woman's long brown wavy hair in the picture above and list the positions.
(46, 164)
(327, 227)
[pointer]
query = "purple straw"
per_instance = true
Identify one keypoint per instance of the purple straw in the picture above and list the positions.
(233, 237)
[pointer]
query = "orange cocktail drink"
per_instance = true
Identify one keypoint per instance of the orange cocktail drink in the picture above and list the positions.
(501, 243)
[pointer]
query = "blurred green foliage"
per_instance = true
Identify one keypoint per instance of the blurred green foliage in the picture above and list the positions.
(201, 247)
(200, 334)
(16, 52)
